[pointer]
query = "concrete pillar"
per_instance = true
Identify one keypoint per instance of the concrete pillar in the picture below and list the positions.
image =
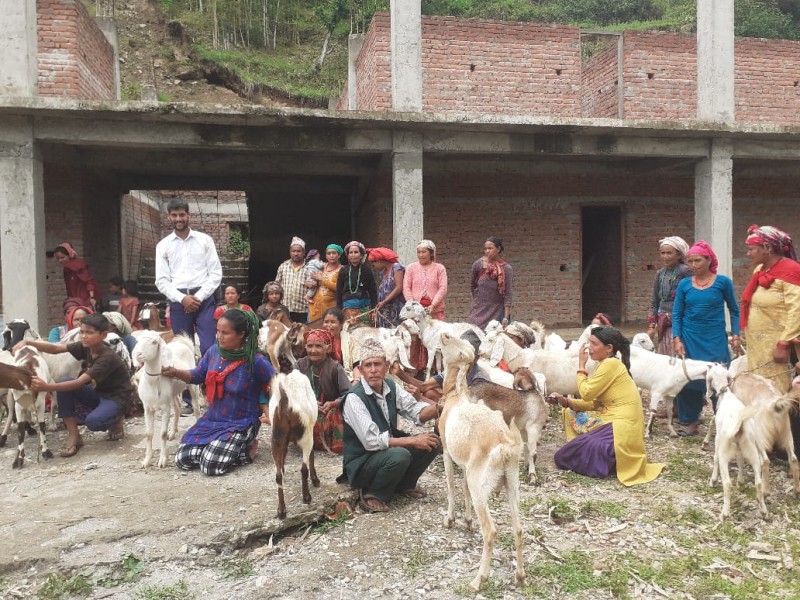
(715, 64)
(713, 202)
(354, 44)
(18, 47)
(406, 48)
(407, 205)
(109, 28)
(22, 237)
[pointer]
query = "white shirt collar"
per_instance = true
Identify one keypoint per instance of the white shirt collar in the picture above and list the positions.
(175, 235)
(369, 391)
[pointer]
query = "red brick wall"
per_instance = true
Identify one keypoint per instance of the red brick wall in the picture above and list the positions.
(374, 83)
(500, 67)
(142, 228)
(767, 81)
(599, 84)
(230, 206)
(660, 71)
(75, 59)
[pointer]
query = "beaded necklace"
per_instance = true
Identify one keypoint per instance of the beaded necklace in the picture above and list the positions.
(315, 384)
(350, 281)
(669, 293)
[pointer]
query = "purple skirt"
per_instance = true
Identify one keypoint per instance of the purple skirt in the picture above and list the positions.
(590, 454)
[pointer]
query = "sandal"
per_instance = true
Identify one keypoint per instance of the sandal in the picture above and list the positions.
(372, 504)
(416, 494)
(70, 450)
(688, 431)
(116, 432)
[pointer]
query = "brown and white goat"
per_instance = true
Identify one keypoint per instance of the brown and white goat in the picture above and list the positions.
(478, 440)
(747, 433)
(292, 412)
(29, 405)
(276, 340)
(524, 406)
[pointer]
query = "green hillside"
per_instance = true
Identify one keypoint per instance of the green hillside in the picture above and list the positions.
(299, 47)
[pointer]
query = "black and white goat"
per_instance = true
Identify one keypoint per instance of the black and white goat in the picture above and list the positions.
(30, 406)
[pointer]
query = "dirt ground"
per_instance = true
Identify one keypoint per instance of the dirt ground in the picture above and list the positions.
(100, 523)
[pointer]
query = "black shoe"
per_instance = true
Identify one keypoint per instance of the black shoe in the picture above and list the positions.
(187, 411)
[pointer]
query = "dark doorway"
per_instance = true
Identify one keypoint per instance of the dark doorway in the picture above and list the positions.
(318, 211)
(601, 278)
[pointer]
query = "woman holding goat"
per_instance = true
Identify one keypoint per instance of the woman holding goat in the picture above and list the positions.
(234, 373)
(771, 304)
(698, 326)
(605, 428)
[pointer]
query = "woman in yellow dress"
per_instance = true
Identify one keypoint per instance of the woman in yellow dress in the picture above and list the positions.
(770, 315)
(325, 296)
(605, 428)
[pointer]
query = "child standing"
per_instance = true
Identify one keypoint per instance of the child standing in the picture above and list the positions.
(129, 304)
(102, 392)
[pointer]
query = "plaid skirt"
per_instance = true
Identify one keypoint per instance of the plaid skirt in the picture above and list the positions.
(219, 456)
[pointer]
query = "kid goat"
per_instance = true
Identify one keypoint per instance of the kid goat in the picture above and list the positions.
(478, 440)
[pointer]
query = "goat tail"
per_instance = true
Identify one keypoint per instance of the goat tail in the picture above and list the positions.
(748, 413)
(512, 450)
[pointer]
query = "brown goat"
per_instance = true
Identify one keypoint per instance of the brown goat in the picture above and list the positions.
(524, 405)
(11, 378)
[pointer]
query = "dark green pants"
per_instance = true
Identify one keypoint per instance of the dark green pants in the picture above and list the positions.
(391, 470)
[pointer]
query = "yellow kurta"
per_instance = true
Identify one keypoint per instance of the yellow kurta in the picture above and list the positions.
(612, 395)
(774, 316)
(325, 297)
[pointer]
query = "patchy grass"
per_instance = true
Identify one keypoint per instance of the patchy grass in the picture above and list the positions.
(603, 508)
(572, 574)
(177, 591)
(60, 586)
(419, 561)
(560, 509)
(129, 570)
(236, 567)
(491, 589)
(683, 467)
(572, 477)
(328, 525)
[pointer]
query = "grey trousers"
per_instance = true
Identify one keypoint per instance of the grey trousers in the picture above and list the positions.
(394, 469)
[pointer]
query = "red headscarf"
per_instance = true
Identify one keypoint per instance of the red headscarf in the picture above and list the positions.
(703, 249)
(318, 335)
(70, 250)
(386, 254)
(778, 240)
(71, 315)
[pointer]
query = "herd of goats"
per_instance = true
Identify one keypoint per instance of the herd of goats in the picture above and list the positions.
(483, 428)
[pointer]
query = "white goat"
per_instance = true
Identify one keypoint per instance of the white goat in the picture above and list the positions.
(293, 412)
(643, 341)
(731, 442)
(664, 376)
(160, 393)
(11, 378)
(478, 440)
(431, 330)
(29, 406)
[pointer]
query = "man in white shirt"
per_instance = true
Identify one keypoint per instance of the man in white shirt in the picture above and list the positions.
(188, 272)
(378, 458)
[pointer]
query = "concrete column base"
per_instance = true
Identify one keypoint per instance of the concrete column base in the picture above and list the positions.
(407, 204)
(713, 202)
(22, 229)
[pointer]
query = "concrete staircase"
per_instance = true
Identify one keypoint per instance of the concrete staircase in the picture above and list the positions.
(234, 270)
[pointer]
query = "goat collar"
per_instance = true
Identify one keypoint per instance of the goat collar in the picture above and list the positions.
(152, 374)
(685, 371)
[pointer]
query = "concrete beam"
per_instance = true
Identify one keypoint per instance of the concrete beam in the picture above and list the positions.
(713, 203)
(407, 203)
(18, 47)
(22, 227)
(715, 61)
(109, 28)
(354, 44)
(406, 49)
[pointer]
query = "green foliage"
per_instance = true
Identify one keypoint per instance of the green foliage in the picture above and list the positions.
(237, 244)
(60, 586)
(129, 570)
(237, 567)
(176, 591)
(764, 18)
(163, 97)
(131, 91)
(603, 508)
(330, 12)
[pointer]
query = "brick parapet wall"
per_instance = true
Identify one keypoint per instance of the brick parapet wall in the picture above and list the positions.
(600, 85)
(75, 59)
(767, 81)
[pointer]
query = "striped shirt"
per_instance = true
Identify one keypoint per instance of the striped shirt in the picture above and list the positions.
(293, 282)
(357, 416)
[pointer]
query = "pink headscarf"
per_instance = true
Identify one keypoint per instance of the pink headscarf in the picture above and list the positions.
(701, 248)
(70, 250)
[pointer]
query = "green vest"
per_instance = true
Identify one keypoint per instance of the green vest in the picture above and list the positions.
(354, 452)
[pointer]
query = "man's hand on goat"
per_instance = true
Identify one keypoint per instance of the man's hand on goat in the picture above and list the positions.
(19, 346)
(425, 441)
(327, 407)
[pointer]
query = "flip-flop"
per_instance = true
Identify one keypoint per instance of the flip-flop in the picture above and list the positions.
(373, 504)
(416, 494)
(687, 432)
(70, 450)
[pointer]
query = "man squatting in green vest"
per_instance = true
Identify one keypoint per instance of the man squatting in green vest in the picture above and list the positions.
(378, 458)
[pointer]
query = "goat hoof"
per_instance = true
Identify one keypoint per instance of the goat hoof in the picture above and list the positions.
(307, 499)
(47, 454)
(162, 462)
(475, 584)
(281, 515)
(18, 462)
(315, 482)
(145, 463)
(3, 439)
(448, 522)
(520, 580)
